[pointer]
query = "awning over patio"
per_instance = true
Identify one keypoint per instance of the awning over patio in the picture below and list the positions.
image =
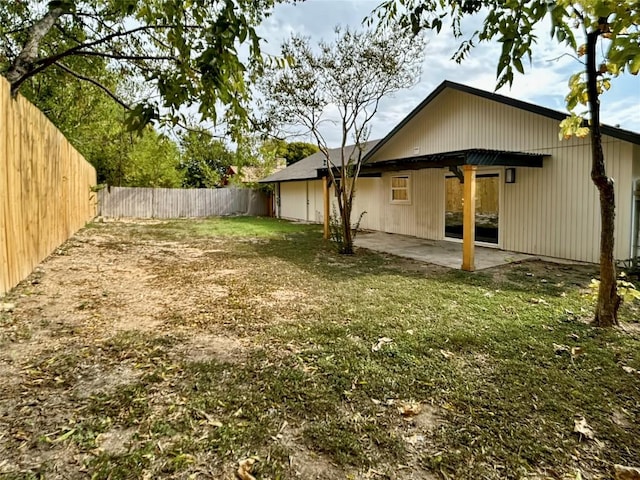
(478, 157)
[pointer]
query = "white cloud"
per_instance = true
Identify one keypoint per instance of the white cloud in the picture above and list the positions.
(544, 81)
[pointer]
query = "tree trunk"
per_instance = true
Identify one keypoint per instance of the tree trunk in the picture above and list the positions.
(24, 62)
(606, 313)
(346, 226)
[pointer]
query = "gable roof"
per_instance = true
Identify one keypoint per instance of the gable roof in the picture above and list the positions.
(619, 133)
(307, 168)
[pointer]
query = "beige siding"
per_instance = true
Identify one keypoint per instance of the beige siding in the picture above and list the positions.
(293, 200)
(458, 121)
(303, 200)
(552, 211)
(367, 199)
(316, 203)
(636, 180)
(424, 215)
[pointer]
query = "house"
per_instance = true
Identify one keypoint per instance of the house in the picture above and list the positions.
(525, 189)
(250, 174)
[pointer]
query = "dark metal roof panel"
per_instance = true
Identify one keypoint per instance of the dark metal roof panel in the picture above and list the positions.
(478, 157)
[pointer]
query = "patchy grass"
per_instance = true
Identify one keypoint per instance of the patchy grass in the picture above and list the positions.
(235, 227)
(264, 343)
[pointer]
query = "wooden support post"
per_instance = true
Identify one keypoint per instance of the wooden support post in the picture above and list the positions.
(469, 218)
(325, 191)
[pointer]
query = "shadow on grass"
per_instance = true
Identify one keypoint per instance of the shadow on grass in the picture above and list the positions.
(308, 251)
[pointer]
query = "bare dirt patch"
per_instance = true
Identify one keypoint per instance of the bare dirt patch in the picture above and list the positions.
(78, 328)
(204, 347)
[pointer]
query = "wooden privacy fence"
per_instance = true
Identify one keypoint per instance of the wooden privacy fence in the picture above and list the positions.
(45, 188)
(176, 203)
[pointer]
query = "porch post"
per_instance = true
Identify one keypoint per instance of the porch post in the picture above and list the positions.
(469, 218)
(325, 192)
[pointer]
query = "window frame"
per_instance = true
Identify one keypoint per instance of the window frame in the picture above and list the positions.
(407, 188)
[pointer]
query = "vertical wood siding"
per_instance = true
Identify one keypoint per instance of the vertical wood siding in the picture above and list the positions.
(316, 201)
(119, 202)
(367, 199)
(45, 188)
(424, 215)
(293, 200)
(552, 211)
(635, 229)
(296, 195)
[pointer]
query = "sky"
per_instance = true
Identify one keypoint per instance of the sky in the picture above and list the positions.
(544, 82)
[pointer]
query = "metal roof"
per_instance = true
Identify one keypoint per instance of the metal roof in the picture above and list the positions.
(474, 156)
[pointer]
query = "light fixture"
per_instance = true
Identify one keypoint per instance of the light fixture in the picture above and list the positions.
(509, 175)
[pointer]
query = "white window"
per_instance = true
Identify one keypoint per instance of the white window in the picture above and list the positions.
(400, 191)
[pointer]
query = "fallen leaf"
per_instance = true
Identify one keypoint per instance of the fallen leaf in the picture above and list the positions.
(575, 351)
(414, 439)
(539, 301)
(210, 420)
(244, 469)
(64, 436)
(560, 349)
(7, 307)
(410, 409)
(381, 342)
(581, 427)
(626, 473)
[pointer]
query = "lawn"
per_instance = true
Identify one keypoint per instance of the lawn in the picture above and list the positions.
(179, 349)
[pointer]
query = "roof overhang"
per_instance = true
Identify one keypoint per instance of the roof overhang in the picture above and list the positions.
(478, 157)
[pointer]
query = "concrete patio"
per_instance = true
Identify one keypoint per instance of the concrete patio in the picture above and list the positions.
(444, 253)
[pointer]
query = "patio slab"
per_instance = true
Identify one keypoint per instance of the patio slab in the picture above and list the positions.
(443, 253)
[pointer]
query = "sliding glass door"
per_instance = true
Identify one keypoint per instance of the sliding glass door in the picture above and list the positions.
(487, 207)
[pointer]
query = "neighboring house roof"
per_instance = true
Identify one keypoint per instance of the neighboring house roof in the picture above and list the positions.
(307, 168)
(250, 174)
(619, 133)
(254, 174)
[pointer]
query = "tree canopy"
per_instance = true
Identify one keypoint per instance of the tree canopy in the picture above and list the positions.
(296, 151)
(95, 125)
(350, 76)
(188, 52)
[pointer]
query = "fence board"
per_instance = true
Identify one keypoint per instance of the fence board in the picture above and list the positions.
(128, 202)
(45, 188)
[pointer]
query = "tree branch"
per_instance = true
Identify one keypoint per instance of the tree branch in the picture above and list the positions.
(94, 82)
(23, 63)
(117, 56)
(44, 63)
